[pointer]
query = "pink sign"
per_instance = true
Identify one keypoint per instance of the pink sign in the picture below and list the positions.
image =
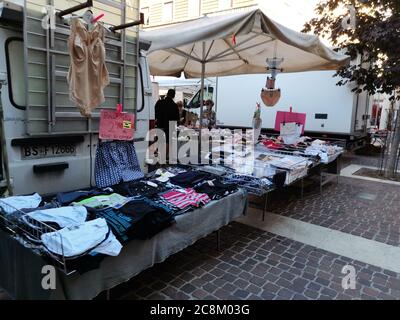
(116, 125)
(286, 117)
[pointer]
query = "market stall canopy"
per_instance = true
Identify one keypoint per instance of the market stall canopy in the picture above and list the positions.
(234, 44)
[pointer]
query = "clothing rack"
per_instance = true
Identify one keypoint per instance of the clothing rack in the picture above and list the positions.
(49, 109)
(87, 4)
(10, 220)
(130, 24)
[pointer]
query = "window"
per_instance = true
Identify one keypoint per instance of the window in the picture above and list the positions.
(224, 4)
(168, 11)
(146, 13)
(15, 71)
(194, 8)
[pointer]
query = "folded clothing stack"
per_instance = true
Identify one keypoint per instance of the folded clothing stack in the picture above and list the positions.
(184, 198)
(137, 219)
(216, 189)
(190, 178)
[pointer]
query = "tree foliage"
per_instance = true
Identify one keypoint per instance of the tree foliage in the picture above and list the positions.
(374, 40)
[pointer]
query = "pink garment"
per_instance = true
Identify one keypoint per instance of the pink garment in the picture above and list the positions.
(185, 198)
(271, 144)
(285, 117)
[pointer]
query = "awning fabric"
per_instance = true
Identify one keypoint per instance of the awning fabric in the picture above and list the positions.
(237, 43)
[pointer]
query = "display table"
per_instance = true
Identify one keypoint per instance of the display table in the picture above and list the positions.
(21, 270)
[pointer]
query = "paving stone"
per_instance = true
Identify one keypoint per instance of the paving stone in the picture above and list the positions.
(200, 294)
(257, 281)
(266, 295)
(284, 283)
(287, 276)
(270, 287)
(285, 293)
(240, 283)
(322, 281)
(311, 294)
(217, 272)
(209, 287)
(245, 275)
(229, 287)
(188, 288)
(208, 277)
(222, 294)
(219, 282)
(241, 294)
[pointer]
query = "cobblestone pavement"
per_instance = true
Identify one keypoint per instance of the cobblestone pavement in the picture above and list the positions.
(358, 207)
(254, 264)
(351, 158)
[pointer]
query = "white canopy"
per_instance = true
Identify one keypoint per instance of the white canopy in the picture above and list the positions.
(234, 44)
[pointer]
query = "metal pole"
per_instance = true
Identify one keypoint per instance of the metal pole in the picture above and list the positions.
(203, 71)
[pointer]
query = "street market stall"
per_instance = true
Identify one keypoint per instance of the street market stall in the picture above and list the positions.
(148, 220)
(233, 44)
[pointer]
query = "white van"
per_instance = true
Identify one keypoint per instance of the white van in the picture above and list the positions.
(47, 146)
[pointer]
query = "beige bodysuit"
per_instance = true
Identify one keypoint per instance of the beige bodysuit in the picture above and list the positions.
(88, 75)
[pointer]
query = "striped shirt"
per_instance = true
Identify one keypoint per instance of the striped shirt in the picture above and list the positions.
(183, 198)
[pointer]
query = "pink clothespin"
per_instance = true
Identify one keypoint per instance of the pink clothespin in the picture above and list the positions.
(234, 39)
(291, 108)
(101, 15)
(119, 109)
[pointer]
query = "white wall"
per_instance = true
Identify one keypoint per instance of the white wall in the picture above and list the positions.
(308, 92)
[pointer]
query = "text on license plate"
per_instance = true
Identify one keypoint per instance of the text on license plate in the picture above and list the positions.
(59, 150)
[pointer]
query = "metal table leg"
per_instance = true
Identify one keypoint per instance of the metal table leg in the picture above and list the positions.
(219, 240)
(265, 205)
(320, 182)
(302, 188)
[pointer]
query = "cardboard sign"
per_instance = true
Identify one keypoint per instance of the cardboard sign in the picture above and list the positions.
(286, 117)
(116, 126)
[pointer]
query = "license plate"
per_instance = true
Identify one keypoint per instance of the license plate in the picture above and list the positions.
(58, 150)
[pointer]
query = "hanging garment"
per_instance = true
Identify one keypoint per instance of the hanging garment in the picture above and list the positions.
(88, 75)
(116, 162)
(290, 132)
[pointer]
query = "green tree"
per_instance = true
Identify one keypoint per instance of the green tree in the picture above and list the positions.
(368, 31)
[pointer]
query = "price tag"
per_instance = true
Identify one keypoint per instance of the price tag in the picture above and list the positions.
(116, 125)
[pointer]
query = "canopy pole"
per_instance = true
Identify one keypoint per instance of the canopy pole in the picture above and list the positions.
(203, 71)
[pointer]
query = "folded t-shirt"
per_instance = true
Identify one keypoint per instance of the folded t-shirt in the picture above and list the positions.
(76, 240)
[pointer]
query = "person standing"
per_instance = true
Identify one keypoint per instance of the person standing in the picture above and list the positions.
(166, 110)
(182, 114)
(209, 117)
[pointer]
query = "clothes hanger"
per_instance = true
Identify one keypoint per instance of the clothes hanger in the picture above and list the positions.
(89, 19)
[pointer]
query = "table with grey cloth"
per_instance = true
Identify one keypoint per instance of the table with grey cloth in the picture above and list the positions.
(21, 270)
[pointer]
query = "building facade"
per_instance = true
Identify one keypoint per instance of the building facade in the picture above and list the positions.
(163, 12)
(291, 13)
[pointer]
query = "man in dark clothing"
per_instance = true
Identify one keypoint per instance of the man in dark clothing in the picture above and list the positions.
(166, 110)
